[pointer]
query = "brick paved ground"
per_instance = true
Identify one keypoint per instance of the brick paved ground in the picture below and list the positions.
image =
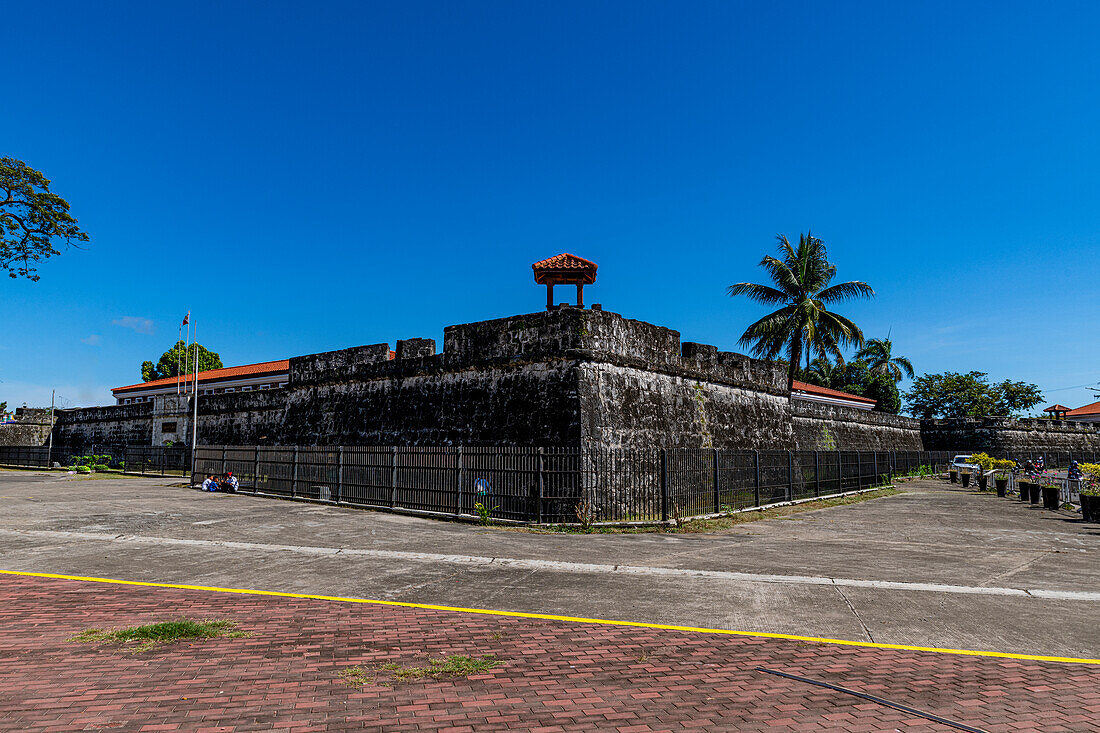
(555, 676)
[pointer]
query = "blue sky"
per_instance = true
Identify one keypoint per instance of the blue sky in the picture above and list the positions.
(307, 177)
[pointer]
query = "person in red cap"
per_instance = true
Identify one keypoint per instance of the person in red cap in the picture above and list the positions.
(229, 483)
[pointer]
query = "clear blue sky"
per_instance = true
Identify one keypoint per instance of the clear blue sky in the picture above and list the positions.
(312, 176)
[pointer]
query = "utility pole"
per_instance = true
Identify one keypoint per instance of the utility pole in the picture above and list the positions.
(195, 405)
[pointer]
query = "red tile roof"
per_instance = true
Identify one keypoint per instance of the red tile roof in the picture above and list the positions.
(1093, 409)
(565, 265)
(826, 392)
(281, 366)
(1056, 408)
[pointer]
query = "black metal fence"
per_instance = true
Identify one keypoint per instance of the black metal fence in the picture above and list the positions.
(556, 485)
(149, 460)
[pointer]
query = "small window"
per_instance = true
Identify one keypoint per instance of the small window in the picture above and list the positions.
(126, 401)
(230, 389)
(167, 427)
(282, 384)
(246, 389)
(264, 386)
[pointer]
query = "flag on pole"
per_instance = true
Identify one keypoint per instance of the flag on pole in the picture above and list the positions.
(186, 319)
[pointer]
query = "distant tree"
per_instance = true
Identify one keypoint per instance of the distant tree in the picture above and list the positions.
(32, 220)
(3, 407)
(857, 378)
(878, 354)
(804, 324)
(969, 395)
(180, 359)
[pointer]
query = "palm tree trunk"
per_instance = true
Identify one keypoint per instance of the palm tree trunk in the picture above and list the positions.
(792, 363)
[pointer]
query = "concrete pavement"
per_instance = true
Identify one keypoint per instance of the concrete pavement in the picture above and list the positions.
(933, 566)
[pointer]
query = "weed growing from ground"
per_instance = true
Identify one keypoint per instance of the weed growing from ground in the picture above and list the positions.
(148, 636)
(452, 667)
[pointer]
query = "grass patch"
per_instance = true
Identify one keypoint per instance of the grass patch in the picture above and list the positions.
(148, 636)
(726, 522)
(453, 667)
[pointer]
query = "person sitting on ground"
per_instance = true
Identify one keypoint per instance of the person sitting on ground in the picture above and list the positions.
(229, 483)
(210, 484)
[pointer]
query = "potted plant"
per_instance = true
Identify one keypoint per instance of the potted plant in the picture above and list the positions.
(1034, 491)
(1051, 491)
(954, 474)
(1090, 492)
(965, 476)
(984, 462)
(1000, 478)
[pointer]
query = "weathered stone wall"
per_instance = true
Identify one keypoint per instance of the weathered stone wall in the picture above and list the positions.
(818, 426)
(562, 378)
(113, 424)
(1009, 435)
(31, 427)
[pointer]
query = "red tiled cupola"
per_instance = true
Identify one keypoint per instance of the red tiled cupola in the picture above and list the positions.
(564, 269)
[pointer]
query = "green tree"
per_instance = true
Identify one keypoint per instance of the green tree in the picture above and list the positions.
(822, 371)
(857, 378)
(180, 359)
(33, 220)
(969, 395)
(804, 324)
(878, 354)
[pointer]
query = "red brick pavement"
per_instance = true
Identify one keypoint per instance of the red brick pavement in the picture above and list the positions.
(555, 676)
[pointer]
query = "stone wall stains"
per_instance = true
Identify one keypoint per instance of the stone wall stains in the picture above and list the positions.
(1002, 434)
(31, 426)
(567, 377)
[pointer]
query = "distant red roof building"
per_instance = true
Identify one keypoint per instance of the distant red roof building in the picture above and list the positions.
(1085, 412)
(813, 393)
(1057, 411)
(282, 366)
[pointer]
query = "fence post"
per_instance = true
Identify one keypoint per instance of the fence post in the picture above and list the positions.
(717, 485)
(458, 483)
(255, 469)
(839, 473)
(225, 460)
(875, 454)
(664, 484)
(859, 471)
(393, 478)
(542, 484)
(294, 476)
(756, 481)
(790, 475)
(817, 473)
(339, 472)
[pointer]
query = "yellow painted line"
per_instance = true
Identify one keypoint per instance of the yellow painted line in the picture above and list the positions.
(570, 619)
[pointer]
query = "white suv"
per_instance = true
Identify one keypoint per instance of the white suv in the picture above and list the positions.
(962, 462)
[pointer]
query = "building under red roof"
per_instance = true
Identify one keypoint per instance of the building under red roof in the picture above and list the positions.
(281, 366)
(564, 269)
(1088, 413)
(813, 393)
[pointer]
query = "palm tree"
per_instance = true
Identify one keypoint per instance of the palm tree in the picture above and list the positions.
(823, 370)
(804, 324)
(880, 359)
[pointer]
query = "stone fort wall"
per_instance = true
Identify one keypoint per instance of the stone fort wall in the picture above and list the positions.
(561, 378)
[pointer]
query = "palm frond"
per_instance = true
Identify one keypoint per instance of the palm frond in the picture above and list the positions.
(846, 291)
(759, 293)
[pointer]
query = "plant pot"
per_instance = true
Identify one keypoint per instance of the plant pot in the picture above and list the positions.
(965, 480)
(1034, 492)
(1051, 497)
(1002, 486)
(954, 476)
(1090, 508)
(1023, 487)
(983, 482)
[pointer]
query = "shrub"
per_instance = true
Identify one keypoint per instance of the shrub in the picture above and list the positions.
(1003, 466)
(982, 459)
(83, 469)
(1091, 484)
(122, 465)
(100, 467)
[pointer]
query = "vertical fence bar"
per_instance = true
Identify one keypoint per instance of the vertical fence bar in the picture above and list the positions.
(817, 473)
(756, 481)
(717, 485)
(255, 469)
(875, 454)
(663, 464)
(225, 460)
(859, 472)
(790, 475)
(393, 477)
(339, 473)
(541, 484)
(294, 479)
(458, 482)
(839, 473)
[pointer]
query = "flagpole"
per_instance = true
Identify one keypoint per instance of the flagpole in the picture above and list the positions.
(195, 405)
(179, 366)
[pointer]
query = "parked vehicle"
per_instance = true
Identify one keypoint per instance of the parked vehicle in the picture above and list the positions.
(962, 464)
